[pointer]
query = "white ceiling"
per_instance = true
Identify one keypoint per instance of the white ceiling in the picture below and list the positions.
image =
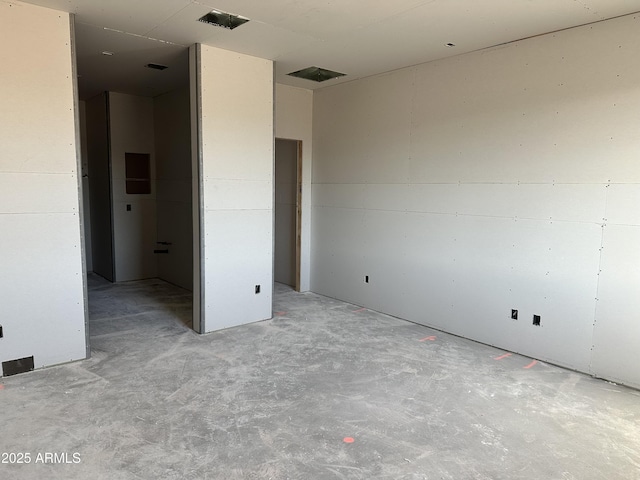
(356, 37)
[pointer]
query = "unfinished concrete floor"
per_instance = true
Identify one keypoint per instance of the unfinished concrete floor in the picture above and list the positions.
(277, 399)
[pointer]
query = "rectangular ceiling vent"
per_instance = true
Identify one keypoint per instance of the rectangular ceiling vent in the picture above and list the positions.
(316, 74)
(222, 19)
(156, 66)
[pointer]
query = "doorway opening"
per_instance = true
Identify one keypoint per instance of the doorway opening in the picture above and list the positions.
(139, 206)
(288, 212)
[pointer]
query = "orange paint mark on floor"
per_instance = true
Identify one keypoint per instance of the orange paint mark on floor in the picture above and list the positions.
(503, 356)
(531, 364)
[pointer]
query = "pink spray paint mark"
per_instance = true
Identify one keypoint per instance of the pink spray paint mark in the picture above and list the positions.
(531, 364)
(503, 356)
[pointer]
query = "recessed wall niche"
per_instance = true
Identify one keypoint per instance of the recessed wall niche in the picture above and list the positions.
(137, 173)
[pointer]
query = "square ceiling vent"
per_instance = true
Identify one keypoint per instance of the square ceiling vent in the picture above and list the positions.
(316, 74)
(222, 19)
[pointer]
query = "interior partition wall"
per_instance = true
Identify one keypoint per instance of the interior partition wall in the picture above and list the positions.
(42, 282)
(232, 115)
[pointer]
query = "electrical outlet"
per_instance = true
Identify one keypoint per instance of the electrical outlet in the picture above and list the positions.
(514, 314)
(257, 289)
(536, 320)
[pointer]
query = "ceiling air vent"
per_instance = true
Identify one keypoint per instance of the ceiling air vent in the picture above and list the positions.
(222, 19)
(156, 66)
(316, 74)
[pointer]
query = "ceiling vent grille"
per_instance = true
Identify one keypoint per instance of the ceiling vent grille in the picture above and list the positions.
(222, 19)
(316, 74)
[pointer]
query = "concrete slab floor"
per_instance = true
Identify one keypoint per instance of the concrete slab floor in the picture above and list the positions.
(324, 390)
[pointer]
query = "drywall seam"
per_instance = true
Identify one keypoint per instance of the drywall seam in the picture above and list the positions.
(595, 310)
(459, 214)
(597, 302)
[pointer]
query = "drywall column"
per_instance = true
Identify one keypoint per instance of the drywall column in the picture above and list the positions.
(294, 114)
(173, 167)
(41, 286)
(236, 135)
(134, 215)
(497, 180)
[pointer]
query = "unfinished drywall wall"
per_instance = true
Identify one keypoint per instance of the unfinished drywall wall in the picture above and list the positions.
(99, 180)
(236, 135)
(286, 181)
(294, 120)
(498, 180)
(131, 127)
(173, 171)
(41, 286)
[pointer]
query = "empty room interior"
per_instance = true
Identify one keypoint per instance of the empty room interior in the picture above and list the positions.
(320, 240)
